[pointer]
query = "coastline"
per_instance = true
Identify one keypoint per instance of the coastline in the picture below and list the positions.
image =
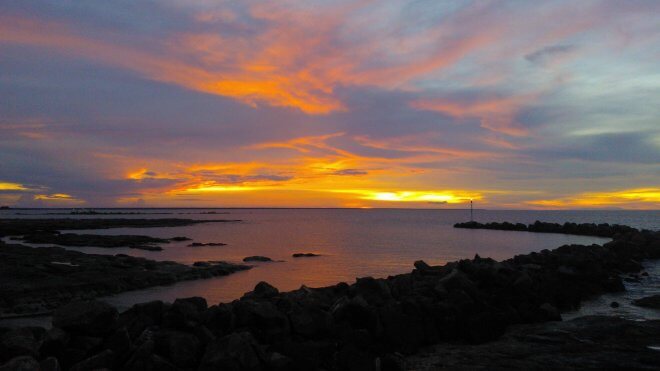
(369, 324)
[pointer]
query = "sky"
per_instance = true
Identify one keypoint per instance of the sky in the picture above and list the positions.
(390, 103)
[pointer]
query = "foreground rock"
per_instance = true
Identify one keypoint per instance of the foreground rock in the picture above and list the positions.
(648, 302)
(597, 343)
(37, 280)
(373, 323)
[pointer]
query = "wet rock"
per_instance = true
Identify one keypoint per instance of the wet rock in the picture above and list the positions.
(257, 258)
(87, 317)
(648, 302)
(22, 363)
(237, 351)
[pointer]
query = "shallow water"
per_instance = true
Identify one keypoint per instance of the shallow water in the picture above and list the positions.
(353, 243)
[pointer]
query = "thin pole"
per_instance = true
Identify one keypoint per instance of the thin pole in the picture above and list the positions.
(471, 212)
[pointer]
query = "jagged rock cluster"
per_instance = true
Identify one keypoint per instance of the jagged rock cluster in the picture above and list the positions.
(364, 326)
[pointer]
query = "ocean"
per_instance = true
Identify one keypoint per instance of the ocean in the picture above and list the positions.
(352, 243)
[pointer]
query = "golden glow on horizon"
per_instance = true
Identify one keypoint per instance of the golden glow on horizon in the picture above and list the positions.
(636, 198)
(450, 197)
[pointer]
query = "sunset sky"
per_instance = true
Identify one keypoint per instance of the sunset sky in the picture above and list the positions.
(515, 104)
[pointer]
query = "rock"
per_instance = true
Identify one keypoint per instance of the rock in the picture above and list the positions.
(185, 313)
(179, 239)
(198, 244)
(119, 342)
(648, 302)
(88, 317)
(305, 255)
(310, 322)
(262, 290)
(141, 316)
(237, 351)
(392, 362)
(18, 342)
(421, 265)
(80, 348)
(103, 360)
(219, 319)
(550, 311)
(22, 363)
(182, 348)
(50, 364)
(257, 258)
(54, 343)
(263, 319)
(374, 291)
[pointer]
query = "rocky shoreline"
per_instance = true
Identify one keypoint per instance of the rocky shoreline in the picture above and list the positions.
(369, 325)
(36, 280)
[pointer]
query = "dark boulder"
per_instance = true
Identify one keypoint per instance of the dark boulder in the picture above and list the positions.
(309, 321)
(142, 316)
(262, 290)
(86, 317)
(263, 319)
(54, 343)
(374, 291)
(237, 351)
(181, 348)
(219, 319)
(185, 313)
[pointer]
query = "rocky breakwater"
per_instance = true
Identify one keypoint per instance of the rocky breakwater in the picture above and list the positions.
(368, 325)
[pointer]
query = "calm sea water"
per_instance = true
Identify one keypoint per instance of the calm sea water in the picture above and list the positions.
(353, 243)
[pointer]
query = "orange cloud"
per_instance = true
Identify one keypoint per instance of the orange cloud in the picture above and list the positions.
(496, 114)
